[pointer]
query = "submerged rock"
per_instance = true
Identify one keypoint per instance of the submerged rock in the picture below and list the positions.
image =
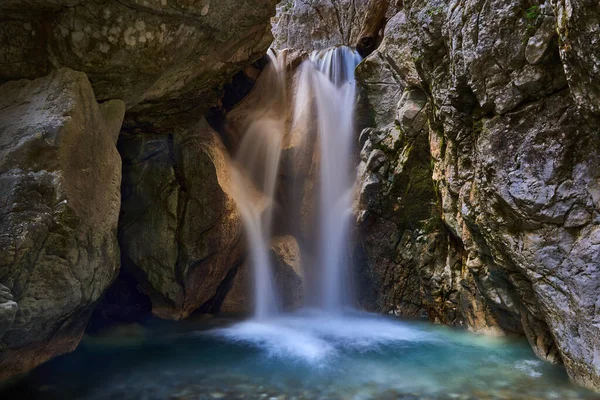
(59, 177)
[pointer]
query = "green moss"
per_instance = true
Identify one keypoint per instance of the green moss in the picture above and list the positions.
(532, 15)
(433, 11)
(478, 127)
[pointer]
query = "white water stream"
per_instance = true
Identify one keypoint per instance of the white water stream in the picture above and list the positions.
(326, 92)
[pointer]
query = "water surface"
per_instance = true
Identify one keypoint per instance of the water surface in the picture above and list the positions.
(308, 355)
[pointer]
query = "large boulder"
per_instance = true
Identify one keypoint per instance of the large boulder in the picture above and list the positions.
(158, 56)
(180, 230)
(59, 177)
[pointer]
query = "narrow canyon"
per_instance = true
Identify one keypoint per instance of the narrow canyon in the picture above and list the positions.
(351, 175)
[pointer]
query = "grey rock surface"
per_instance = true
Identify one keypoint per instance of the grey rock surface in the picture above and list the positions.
(512, 120)
(159, 56)
(59, 178)
(317, 24)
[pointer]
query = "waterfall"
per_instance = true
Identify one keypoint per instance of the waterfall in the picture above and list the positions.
(254, 177)
(334, 89)
(317, 124)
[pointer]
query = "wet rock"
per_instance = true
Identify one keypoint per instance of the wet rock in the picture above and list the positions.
(285, 256)
(60, 174)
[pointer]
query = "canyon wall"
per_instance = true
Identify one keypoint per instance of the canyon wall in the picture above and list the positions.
(479, 186)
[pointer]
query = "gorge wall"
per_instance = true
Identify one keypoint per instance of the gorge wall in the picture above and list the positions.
(479, 182)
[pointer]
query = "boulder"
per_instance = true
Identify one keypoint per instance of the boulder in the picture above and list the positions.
(180, 230)
(285, 256)
(59, 176)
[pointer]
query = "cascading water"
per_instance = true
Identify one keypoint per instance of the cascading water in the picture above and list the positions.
(334, 90)
(254, 178)
(323, 107)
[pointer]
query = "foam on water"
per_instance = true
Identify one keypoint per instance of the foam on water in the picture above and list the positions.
(306, 355)
(317, 337)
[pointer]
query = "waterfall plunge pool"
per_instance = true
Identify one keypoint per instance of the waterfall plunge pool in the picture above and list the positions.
(306, 355)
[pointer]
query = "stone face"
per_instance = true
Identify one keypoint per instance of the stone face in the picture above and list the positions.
(60, 174)
(8, 309)
(315, 25)
(180, 230)
(289, 280)
(578, 24)
(158, 56)
(395, 189)
(513, 145)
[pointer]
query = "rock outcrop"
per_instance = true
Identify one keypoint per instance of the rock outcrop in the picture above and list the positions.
(396, 198)
(180, 230)
(512, 119)
(314, 25)
(159, 56)
(289, 280)
(59, 178)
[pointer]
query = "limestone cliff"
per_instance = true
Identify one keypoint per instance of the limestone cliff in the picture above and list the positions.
(508, 240)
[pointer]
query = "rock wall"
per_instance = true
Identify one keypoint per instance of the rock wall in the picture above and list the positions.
(512, 120)
(317, 24)
(159, 56)
(60, 173)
